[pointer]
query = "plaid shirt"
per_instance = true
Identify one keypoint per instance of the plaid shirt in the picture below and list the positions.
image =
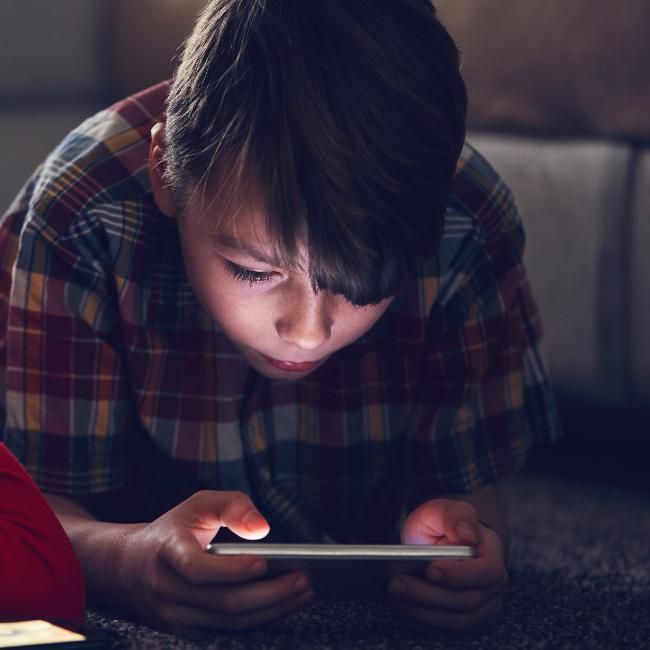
(115, 377)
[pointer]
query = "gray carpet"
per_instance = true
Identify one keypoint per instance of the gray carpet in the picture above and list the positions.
(579, 578)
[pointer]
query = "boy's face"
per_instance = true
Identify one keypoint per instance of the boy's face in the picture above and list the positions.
(271, 314)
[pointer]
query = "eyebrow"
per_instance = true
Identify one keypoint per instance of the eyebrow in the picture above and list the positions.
(232, 243)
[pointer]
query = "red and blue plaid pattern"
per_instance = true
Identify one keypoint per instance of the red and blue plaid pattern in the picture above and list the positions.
(112, 372)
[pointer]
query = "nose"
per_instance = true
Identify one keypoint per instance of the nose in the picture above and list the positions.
(306, 321)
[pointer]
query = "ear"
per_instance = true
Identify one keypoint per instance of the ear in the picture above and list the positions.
(161, 193)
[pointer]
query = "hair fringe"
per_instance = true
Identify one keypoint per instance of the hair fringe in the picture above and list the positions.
(342, 120)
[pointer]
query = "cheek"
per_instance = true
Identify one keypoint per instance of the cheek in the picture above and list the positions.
(237, 317)
(238, 314)
(234, 309)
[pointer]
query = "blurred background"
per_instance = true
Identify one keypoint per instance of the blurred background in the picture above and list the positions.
(559, 102)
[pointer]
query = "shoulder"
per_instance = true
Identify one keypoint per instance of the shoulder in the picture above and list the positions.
(485, 202)
(482, 224)
(91, 198)
(482, 243)
(101, 162)
(88, 218)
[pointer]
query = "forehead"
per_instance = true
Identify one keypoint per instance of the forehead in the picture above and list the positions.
(215, 213)
(246, 232)
(239, 219)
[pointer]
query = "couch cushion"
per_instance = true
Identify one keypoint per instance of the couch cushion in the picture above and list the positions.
(571, 198)
(640, 282)
(555, 66)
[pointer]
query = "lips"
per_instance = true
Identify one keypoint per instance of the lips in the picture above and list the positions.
(292, 367)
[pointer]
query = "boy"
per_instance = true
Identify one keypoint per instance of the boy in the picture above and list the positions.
(277, 294)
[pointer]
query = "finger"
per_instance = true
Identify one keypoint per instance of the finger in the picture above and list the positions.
(175, 618)
(487, 568)
(409, 589)
(187, 558)
(237, 599)
(444, 619)
(480, 574)
(455, 520)
(209, 510)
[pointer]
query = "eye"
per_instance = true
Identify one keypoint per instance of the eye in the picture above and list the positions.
(247, 275)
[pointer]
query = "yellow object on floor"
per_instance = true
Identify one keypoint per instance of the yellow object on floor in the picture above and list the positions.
(24, 633)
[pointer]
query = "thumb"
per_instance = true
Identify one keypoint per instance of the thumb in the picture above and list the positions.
(439, 520)
(209, 510)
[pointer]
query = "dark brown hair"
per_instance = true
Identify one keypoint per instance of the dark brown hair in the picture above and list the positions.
(347, 116)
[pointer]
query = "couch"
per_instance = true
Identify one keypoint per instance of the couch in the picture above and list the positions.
(560, 103)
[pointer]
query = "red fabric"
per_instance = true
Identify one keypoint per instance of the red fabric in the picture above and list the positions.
(40, 576)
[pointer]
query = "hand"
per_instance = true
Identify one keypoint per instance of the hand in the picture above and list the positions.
(172, 584)
(452, 594)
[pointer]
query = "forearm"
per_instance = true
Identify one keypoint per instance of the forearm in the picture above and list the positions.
(99, 546)
(490, 509)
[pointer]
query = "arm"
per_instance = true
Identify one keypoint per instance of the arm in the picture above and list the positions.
(159, 571)
(99, 547)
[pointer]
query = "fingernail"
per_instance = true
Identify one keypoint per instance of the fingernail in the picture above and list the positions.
(466, 532)
(397, 586)
(254, 521)
(300, 584)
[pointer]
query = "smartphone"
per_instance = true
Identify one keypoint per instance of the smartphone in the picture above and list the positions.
(346, 571)
(394, 552)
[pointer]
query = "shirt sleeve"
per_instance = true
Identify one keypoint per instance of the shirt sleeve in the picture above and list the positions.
(484, 397)
(39, 571)
(68, 404)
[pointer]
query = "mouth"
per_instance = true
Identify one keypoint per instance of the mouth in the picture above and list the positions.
(290, 366)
